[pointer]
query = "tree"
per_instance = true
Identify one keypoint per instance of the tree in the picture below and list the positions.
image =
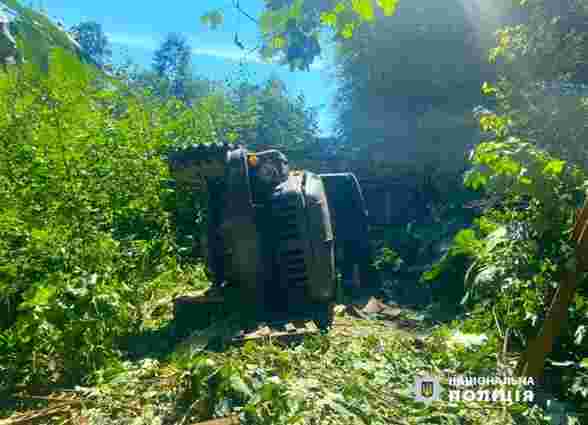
(412, 76)
(537, 157)
(543, 66)
(276, 119)
(544, 70)
(291, 29)
(93, 42)
(157, 88)
(172, 63)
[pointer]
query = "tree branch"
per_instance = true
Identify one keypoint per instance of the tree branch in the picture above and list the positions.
(237, 6)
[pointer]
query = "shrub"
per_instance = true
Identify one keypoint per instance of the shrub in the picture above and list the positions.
(83, 226)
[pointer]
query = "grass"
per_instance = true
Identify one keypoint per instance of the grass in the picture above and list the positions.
(360, 372)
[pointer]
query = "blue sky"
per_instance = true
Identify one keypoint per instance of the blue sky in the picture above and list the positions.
(137, 28)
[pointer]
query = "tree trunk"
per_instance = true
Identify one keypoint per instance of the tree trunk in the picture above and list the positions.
(532, 363)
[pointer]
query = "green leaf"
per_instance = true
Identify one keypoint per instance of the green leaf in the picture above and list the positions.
(232, 137)
(43, 295)
(265, 22)
(295, 11)
(388, 6)
(364, 9)
(432, 274)
(40, 235)
(496, 237)
(508, 167)
(466, 238)
(580, 334)
(240, 386)
(9, 271)
(64, 63)
(339, 8)
(273, 21)
(212, 19)
(488, 90)
(278, 42)
(347, 31)
(341, 408)
(475, 180)
(554, 167)
(329, 19)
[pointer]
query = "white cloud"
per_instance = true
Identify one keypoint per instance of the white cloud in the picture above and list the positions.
(227, 52)
(132, 40)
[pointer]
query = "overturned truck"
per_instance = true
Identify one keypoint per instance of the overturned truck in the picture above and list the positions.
(272, 234)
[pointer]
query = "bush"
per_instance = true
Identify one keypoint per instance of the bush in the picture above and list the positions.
(82, 223)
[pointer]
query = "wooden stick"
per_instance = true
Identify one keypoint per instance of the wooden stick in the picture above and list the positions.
(51, 411)
(532, 362)
(53, 399)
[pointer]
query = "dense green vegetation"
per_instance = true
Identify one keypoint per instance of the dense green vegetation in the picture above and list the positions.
(88, 216)
(84, 219)
(36, 35)
(534, 169)
(95, 241)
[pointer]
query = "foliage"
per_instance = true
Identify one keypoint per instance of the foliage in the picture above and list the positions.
(93, 41)
(514, 254)
(387, 258)
(464, 244)
(189, 89)
(89, 224)
(452, 352)
(532, 167)
(528, 161)
(395, 76)
(172, 62)
(361, 372)
(276, 119)
(518, 267)
(84, 216)
(543, 65)
(88, 252)
(291, 29)
(36, 35)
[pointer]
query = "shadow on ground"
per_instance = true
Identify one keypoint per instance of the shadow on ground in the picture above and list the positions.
(410, 309)
(435, 303)
(218, 332)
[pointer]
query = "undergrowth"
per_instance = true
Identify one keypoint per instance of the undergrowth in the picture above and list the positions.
(360, 372)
